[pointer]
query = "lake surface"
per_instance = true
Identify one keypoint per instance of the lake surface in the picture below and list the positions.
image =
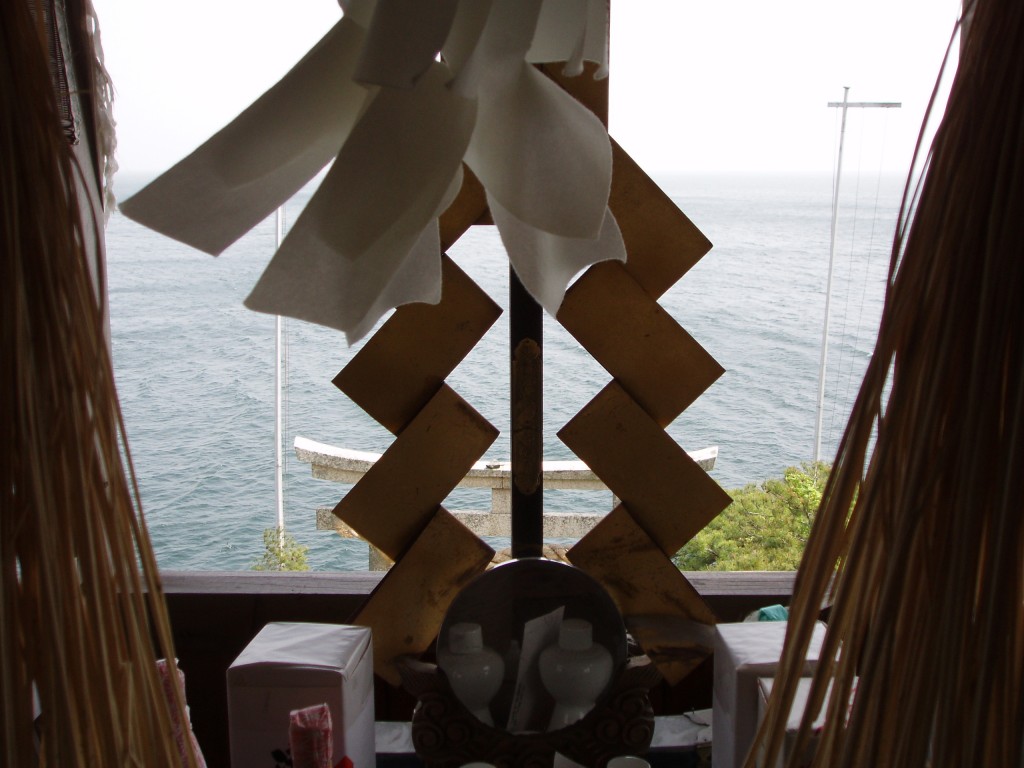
(195, 368)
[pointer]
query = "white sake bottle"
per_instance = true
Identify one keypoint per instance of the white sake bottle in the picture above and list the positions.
(575, 671)
(474, 671)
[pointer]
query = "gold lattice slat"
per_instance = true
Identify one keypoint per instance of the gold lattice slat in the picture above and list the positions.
(662, 243)
(660, 370)
(398, 379)
(404, 364)
(649, 590)
(468, 208)
(637, 341)
(408, 606)
(394, 500)
(665, 490)
(621, 544)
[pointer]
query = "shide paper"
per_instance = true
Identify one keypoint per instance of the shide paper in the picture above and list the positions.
(404, 38)
(399, 94)
(546, 263)
(264, 156)
(572, 31)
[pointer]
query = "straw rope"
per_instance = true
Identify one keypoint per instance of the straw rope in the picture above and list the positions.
(925, 645)
(78, 581)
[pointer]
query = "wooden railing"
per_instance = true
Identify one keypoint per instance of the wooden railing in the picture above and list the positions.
(215, 615)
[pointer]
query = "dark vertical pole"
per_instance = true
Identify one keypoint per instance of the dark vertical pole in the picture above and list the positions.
(526, 346)
(527, 411)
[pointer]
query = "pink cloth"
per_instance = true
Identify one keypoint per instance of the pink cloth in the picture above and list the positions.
(183, 736)
(309, 735)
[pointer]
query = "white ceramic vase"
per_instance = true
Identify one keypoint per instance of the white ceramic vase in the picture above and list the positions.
(575, 671)
(474, 671)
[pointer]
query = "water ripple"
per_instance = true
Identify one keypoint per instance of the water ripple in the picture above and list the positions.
(195, 376)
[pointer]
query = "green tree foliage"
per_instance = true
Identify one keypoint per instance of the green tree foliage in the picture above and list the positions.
(281, 552)
(764, 529)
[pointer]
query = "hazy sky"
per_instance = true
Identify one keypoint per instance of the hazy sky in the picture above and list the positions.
(722, 85)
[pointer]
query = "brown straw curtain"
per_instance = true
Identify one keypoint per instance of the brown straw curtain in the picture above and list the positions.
(919, 544)
(78, 582)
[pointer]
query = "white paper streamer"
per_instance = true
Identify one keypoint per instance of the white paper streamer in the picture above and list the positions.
(357, 251)
(499, 45)
(396, 166)
(542, 155)
(547, 263)
(264, 156)
(368, 239)
(404, 38)
(572, 31)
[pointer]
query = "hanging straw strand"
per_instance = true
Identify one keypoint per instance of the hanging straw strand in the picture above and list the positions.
(920, 545)
(78, 581)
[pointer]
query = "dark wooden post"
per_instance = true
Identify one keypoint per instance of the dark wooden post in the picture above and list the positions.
(527, 380)
(527, 419)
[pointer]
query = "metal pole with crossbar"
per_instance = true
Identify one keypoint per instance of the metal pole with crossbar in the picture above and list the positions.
(845, 104)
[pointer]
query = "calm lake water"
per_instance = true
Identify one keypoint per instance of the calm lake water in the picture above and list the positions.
(195, 368)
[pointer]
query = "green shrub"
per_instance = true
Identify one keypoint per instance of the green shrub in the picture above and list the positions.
(281, 552)
(764, 529)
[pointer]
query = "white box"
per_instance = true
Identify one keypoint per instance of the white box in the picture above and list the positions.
(290, 666)
(796, 716)
(744, 652)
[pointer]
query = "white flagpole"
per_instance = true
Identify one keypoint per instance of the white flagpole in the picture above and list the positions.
(844, 105)
(278, 400)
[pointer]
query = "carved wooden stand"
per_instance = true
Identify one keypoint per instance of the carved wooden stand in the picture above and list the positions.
(446, 735)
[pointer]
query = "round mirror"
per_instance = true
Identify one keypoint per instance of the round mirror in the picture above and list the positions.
(531, 645)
